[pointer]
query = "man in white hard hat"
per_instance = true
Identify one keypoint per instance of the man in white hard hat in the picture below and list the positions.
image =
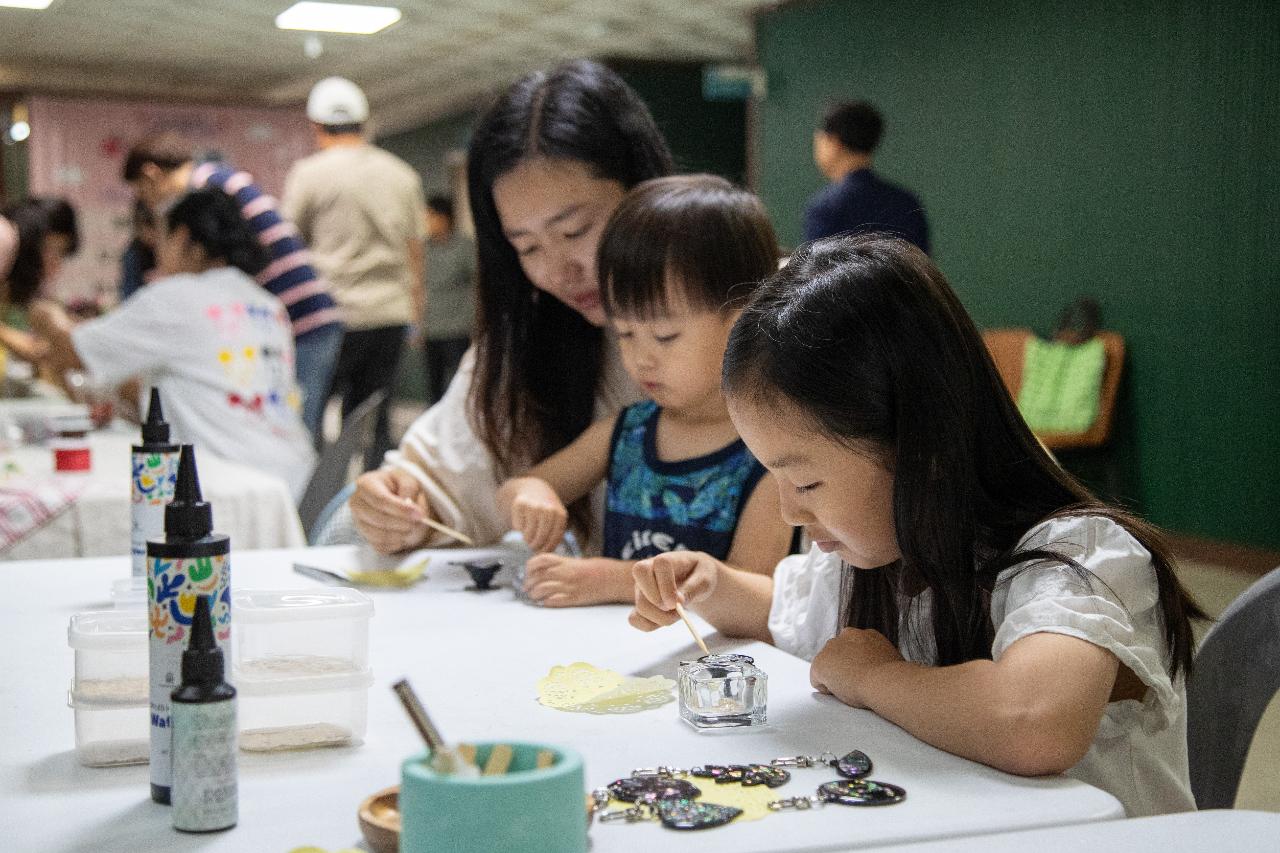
(361, 210)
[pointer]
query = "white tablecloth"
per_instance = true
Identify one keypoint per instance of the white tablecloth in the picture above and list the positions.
(475, 659)
(254, 508)
(1236, 831)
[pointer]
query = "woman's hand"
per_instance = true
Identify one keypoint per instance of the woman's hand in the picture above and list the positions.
(536, 511)
(556, 581)
(389, 506)
(848, 661)
(686, 577)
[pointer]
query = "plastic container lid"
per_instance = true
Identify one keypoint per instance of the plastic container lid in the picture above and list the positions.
(288, 605)
(70, 424)
(108, 630)
(276, 686)
(79, 700)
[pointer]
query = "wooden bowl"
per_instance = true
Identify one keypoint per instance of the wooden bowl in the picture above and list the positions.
(380, 820)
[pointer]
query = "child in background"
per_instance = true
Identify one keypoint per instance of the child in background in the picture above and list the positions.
(218, 346)
(677, 257)
(961, 585)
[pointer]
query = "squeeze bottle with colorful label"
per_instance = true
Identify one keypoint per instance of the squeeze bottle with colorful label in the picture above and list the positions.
(191, 560)
(155, 472)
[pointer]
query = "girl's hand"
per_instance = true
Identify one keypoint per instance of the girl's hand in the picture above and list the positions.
(848, 660)
(686, 577)
(389, 506)
(556, 581)
(538, 513)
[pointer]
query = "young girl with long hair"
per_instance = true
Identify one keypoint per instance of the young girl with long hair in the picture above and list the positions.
(960, 584)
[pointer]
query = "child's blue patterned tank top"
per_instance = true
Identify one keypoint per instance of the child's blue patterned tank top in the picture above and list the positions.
(655, 506)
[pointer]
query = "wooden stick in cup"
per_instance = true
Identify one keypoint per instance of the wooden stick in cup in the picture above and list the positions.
(499, 759)
(545, 759)
(447, 531)
(692, 630)
(444, 759)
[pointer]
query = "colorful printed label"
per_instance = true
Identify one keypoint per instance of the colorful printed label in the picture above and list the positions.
(203, 793)
(154, 477)
(172, 587)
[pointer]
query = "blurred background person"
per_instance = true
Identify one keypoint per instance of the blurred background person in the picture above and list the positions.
(36, 236)
(162, 168)
(858, 199)
(218, 346)
(451, 296)
(137, 264)
(360, 209)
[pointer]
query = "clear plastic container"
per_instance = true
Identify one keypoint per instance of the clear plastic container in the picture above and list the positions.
(109, 691)
(111, 733)
(129, 593)
(278, 714)
(300, 633)
(111, 655)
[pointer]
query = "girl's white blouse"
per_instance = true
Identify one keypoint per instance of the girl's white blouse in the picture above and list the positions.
(1140, 751)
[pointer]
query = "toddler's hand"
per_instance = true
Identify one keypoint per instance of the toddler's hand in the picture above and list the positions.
(848, 660)
(556, 581)
(686, 577)
(539, 515)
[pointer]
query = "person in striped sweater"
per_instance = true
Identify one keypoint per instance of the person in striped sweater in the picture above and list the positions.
(161, 168)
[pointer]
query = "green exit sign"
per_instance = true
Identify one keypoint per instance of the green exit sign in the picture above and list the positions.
(732, 83)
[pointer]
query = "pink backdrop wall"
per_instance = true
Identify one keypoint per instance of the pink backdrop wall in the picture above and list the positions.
(77, 149)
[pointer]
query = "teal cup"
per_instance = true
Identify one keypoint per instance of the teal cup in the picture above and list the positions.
(525, 810)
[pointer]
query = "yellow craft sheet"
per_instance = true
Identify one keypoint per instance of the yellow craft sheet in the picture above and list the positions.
(400, 577)
(586, 688)
(754, 800)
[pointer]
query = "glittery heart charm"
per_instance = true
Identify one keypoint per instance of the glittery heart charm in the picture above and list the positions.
(647, 789)
(855, 765)
(684, 813)
(749, 775)
(861, 792)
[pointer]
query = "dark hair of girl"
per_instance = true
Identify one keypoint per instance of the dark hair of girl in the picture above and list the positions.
(538, 362)
(35, 218)
(713, 239)
(865, 338)
(214, 223)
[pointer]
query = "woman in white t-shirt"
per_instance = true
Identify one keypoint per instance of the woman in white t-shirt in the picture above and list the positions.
(216, 344)
(961, 584)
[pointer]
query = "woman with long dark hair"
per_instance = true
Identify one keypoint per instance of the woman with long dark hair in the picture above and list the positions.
(961, 584)
(548, 163)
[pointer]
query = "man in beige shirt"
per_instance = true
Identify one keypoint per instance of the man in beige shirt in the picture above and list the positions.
(361, 211)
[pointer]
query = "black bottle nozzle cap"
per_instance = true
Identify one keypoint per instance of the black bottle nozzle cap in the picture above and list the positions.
(202, 661)
(155, 430)
(188, 515)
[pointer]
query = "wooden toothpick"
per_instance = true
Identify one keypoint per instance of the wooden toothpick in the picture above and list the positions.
(692, 630)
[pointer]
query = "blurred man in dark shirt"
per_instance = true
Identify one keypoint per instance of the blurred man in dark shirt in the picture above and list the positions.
(857, 199)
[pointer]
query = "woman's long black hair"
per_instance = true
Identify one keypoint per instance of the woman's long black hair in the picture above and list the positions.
(34, 218)
(865, 338)
(214, 223)
(538, 362)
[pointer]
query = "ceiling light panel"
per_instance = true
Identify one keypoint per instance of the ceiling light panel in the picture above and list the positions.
(337, 18)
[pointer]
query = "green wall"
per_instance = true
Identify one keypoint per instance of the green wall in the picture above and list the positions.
(1126, 150)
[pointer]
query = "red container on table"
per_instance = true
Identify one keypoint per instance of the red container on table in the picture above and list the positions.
(70, 443)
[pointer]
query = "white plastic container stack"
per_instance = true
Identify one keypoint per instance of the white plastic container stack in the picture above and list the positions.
(301, 665)
(109, 690)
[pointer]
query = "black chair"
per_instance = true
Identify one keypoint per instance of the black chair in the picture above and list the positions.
(1237, 672)
(334, 466)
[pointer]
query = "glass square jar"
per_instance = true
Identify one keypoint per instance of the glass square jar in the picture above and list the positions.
(722, 691)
